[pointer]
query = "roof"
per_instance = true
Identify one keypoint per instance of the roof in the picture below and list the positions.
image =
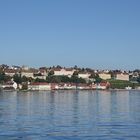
(9, 71)
(39, 83)
(27, 71)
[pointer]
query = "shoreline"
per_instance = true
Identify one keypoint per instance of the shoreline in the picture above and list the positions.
(72, 90)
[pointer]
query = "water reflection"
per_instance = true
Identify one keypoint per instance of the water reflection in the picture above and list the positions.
(70, 115)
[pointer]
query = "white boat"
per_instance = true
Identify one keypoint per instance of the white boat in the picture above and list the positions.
(128, 88)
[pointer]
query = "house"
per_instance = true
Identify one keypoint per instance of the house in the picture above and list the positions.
(27, 73)
(83, 86)
(11, 85)
(62, 86)
(39, 86)
(103, 85)
(104, 75)
(41, 74)
(84, 75)
(63, 72)
(10, 72)
(122, 76)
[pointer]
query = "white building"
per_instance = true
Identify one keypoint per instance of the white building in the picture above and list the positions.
(122, 76)
(39, 86)
(10, 85)
(10, 72)
(27, 73)
(105, 76)
(64, 72)
(103, 85)
(84, 75)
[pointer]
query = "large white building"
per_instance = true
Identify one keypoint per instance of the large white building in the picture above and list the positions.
(10, 85)
(27, 73)
(84, 75)
(105, 76)
(63, 72)
(122, 76)
(10, 72)
(39, 86)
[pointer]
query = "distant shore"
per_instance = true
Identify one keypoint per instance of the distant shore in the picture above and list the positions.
(73, 90)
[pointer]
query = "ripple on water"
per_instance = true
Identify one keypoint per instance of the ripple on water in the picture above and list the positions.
(70, 115)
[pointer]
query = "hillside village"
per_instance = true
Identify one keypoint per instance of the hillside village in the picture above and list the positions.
(57, 77)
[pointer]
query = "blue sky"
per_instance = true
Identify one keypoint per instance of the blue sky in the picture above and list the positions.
(89, 33)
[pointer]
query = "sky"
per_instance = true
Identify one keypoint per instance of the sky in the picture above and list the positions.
(100, 34)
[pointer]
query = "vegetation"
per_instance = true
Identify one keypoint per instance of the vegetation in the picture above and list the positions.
(96, 77)
(119, 84)
(19, 80)
(4, 78)
(64, 79)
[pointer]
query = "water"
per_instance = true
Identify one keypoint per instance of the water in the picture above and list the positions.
(70, 115)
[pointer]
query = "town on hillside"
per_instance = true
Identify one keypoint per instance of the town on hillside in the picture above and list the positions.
(60, 78)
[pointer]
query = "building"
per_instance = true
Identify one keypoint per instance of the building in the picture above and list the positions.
(84, 75)
(122, 76)
(39, 86)
(103, 85)
(62, 86)
(10, 72)
(11, 85)
(41, 74)
(63, 72)
(27, 73)
(105, 76)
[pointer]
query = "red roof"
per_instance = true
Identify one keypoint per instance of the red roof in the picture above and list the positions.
(39, 83)
(9, 71)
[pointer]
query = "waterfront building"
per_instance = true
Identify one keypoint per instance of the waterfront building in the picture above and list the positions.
(10, 85)
(39, 86)
(103, 85)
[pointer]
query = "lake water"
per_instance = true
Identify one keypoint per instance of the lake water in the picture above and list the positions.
(70, 115)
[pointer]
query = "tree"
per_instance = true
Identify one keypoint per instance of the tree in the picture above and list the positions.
(111, 73)
(138, 79)
(75, 73)
(75, 67)
(39, 80)
(75, 79)
(51, 73)
(93, 75)
(24, 79)
(59, 67)
(4, 78)
(17, 78)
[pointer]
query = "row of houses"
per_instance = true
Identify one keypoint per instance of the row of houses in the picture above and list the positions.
(42, 73)
(38, 86)
(67, 86)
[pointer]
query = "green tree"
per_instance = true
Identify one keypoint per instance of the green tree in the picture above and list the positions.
(17, 78)
(24, 79)
(51, 73)
(75, 73)
(39, 80)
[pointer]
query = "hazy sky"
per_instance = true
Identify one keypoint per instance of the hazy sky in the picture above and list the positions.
(88, 33)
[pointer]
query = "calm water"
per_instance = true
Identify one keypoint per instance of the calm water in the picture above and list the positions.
(70, 115)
